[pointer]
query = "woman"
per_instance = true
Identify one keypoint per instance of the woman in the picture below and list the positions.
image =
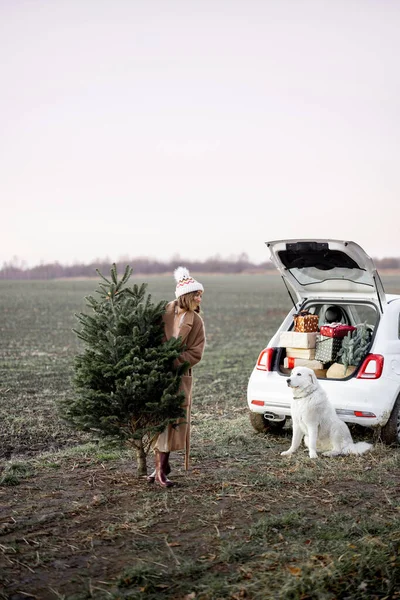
(181, 319)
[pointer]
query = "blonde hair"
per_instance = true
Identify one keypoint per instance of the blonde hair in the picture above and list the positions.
(186, 301)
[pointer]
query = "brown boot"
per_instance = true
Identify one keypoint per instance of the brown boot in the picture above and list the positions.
(161, 468)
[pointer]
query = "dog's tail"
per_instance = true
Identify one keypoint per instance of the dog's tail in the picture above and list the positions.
(358, 448)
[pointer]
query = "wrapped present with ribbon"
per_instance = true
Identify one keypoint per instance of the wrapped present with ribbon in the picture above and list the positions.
(304, 321)
(336, 330)
(291, 362)
(327, 348)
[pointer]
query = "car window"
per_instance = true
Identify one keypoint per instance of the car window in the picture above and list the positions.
(352, 314)
(320, 310)
(364, 314)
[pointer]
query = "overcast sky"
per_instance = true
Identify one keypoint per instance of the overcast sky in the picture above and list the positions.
(197, 127)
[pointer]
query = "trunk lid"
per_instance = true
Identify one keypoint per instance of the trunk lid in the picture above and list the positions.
(322, 268)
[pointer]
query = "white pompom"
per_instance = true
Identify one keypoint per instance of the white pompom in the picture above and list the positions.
(181, 273)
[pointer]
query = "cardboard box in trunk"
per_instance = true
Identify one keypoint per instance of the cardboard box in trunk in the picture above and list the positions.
(300, 353)
(315, 365)
(297, 339)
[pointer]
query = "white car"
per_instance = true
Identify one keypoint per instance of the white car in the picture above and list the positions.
(324, 277)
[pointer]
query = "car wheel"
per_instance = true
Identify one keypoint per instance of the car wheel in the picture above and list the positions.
(390, 433)
(263, 425)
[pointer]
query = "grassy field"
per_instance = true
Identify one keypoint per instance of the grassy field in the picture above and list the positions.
(244, 522)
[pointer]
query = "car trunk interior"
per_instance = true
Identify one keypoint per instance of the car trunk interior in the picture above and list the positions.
(329, 314)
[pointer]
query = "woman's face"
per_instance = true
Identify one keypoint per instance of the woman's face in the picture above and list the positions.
(197, 298)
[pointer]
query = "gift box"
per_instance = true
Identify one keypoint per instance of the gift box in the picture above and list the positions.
(305, 322)
(300, 353)
(297, 339)
(327, 348)
(336, 330)
(320, 373)
(292, 362)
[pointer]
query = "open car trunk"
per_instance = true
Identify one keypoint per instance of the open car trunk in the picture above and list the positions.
(324, 268)
(321, 350)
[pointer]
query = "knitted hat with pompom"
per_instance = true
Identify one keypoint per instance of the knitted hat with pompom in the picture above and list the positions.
(185, 283)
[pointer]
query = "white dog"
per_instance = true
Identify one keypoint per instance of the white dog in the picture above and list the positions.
(315, 419)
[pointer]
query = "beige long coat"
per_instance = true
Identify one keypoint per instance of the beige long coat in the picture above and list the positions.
(177, 436)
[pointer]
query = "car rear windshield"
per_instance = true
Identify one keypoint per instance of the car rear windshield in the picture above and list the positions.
(316, 263)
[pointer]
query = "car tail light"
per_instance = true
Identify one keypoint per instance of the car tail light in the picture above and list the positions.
(372, 367)
(363, 413)
(264, 362)
(356, 413)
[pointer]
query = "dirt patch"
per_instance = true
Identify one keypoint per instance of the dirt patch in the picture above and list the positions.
(73, 534)
(93, 521)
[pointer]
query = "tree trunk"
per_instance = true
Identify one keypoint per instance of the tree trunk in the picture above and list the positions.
(140, 458)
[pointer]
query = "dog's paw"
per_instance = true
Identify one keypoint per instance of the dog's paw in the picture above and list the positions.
(331, 453)
(286, 453)
(313, 454)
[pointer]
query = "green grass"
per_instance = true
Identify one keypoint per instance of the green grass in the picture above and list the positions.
(13, 472)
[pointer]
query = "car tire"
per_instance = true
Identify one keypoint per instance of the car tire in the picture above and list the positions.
(390, 433)
(262, 425)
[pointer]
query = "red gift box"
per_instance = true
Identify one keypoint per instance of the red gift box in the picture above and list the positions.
(336, 330)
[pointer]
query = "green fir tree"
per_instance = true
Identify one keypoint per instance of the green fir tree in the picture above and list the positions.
(126, 384)
(355, 346)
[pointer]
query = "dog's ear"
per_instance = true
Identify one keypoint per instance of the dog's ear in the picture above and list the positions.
(313, 378)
